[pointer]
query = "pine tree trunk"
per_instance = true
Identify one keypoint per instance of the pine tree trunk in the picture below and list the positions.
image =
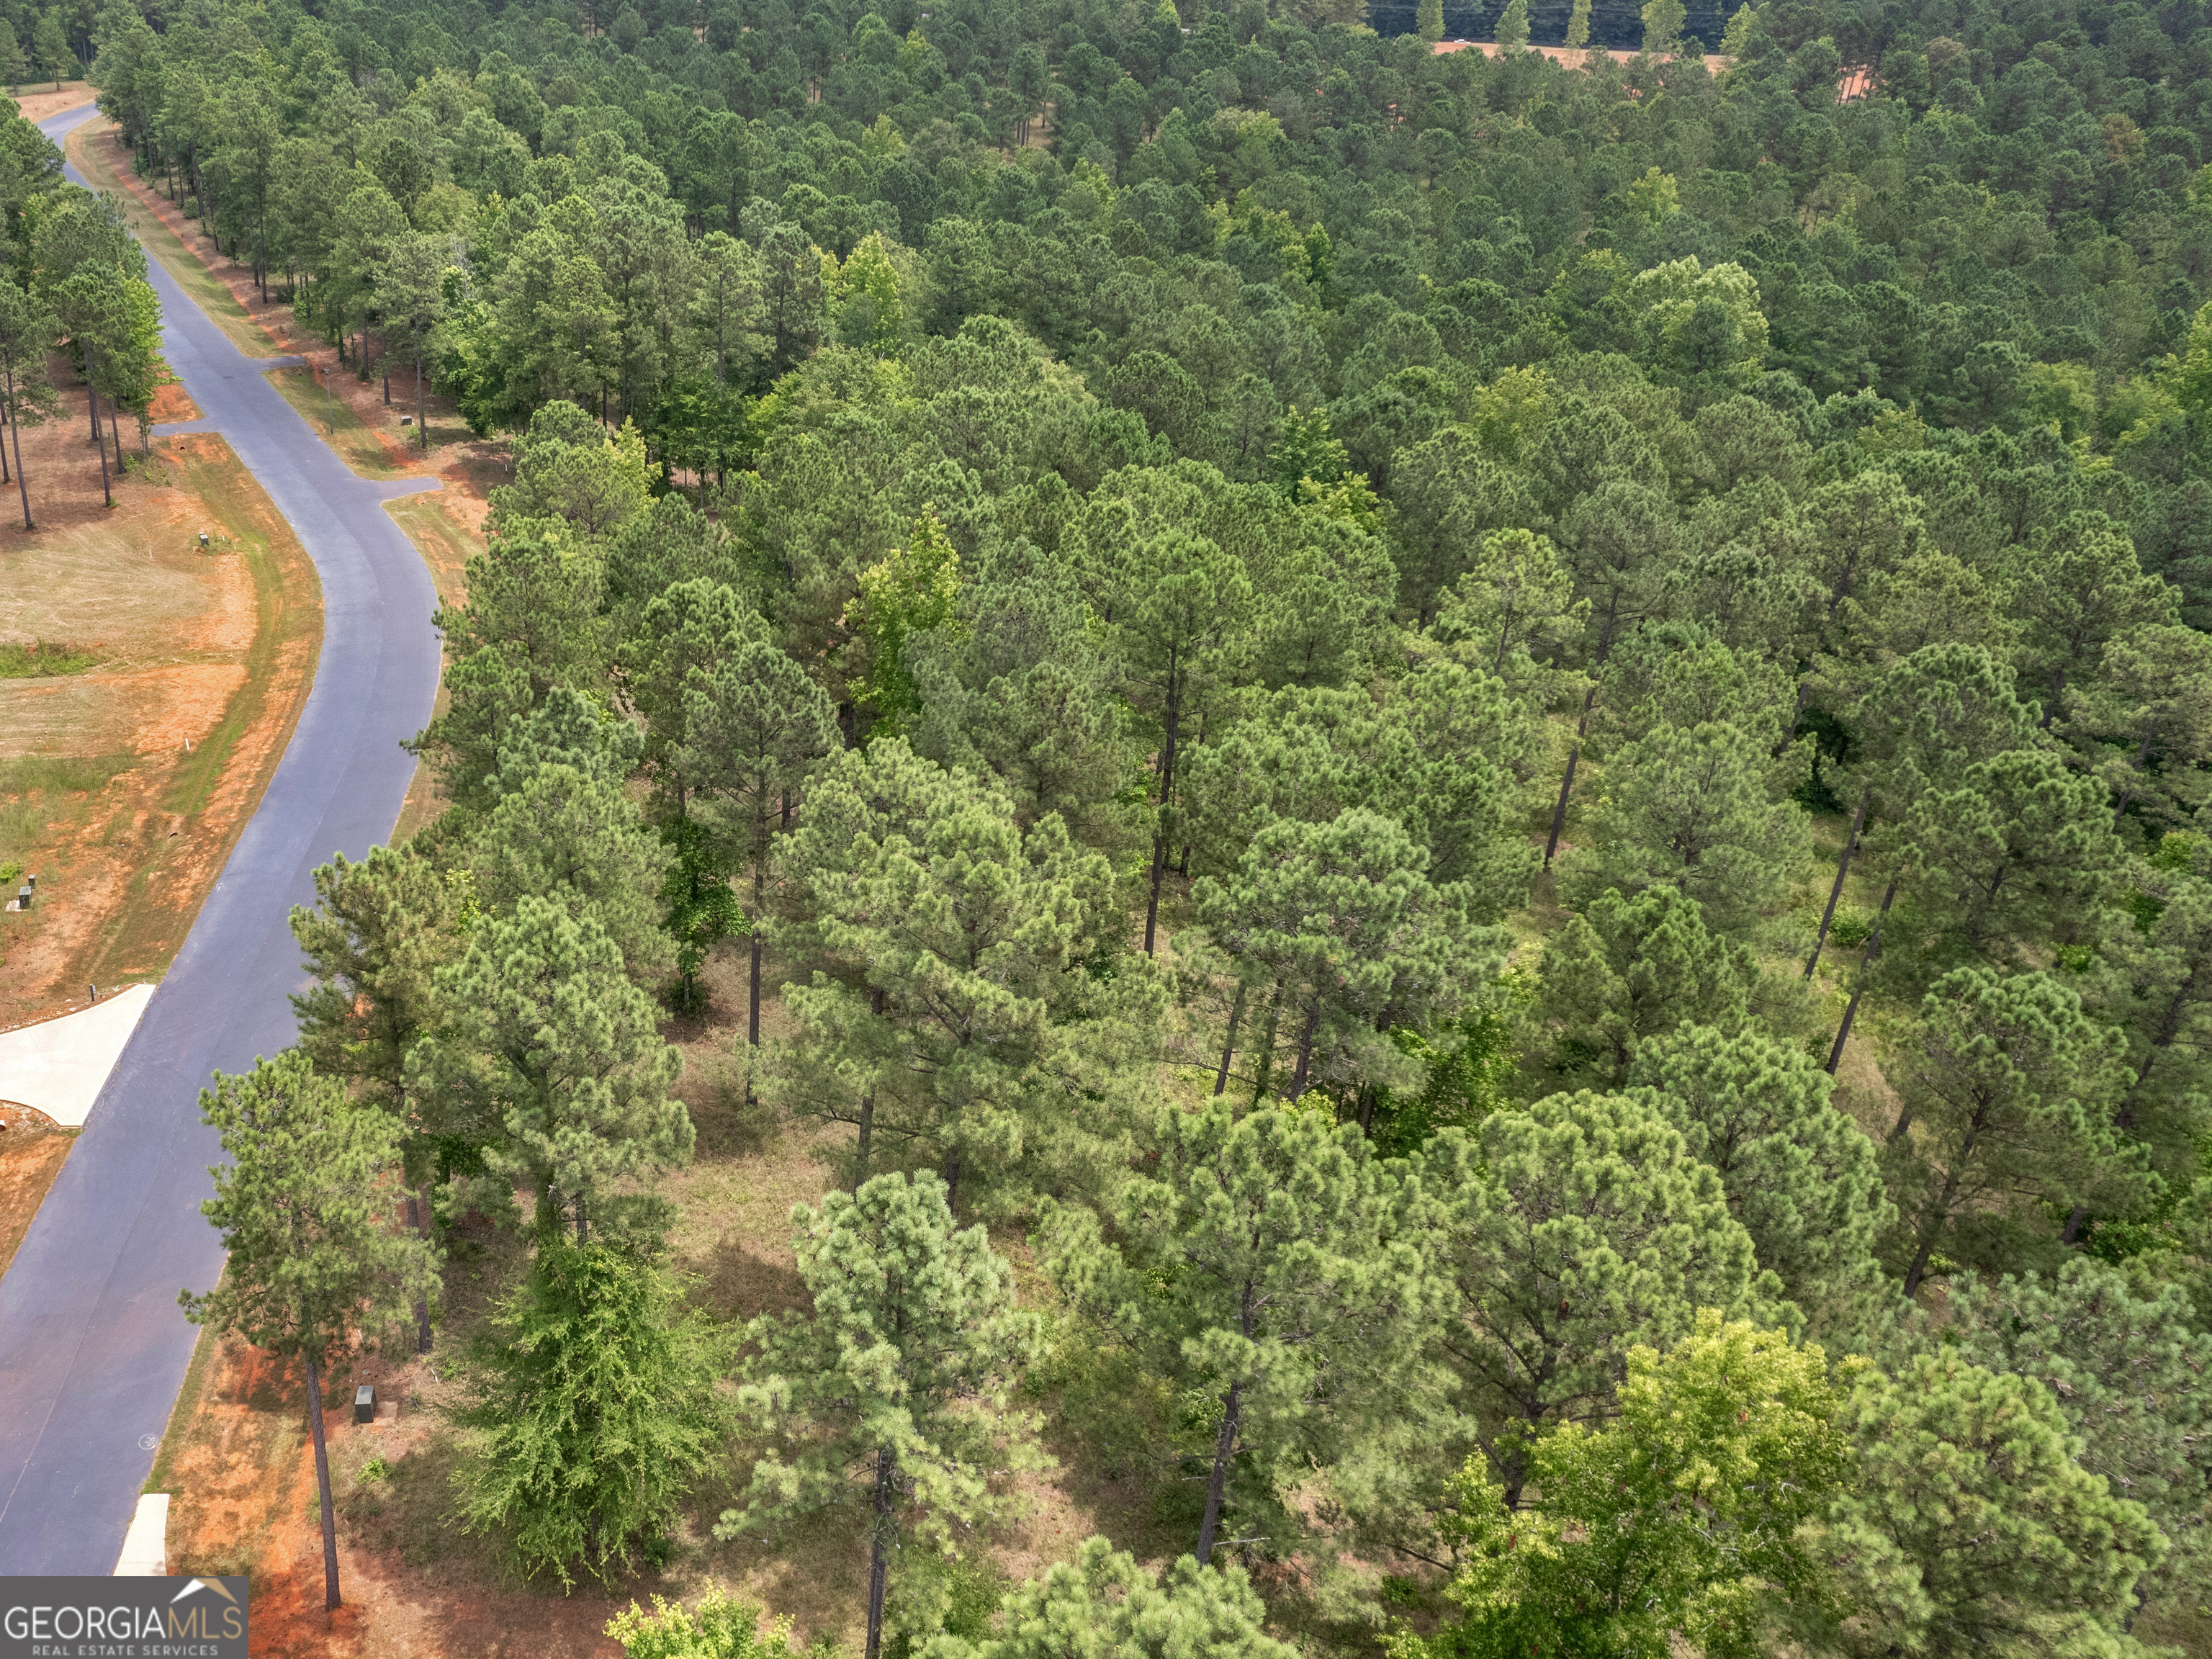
(323, 1487)
(1217, 1482)
(1228, 1043)
(421, 425)
(1167, 790)
(1843, 869)
(1858, 990)
(879, 1555)
(1305, 1052)
(15, 428)
(418, 1213)
(1567, 783)
(867, 1110)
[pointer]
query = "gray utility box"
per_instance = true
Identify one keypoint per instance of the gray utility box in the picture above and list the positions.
(364, 1404)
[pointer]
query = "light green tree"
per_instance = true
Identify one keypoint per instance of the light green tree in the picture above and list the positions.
(592, 1405)
(1103, 1603)
(1801, 1177)
(1259, 1261)
(1513, 25)
(718, 1626)
(2006, 1100)
(13, 64)
(912, 590)
(1662, 25)
(551, 1046)
(895, 1391)
(305, 1207)
(1683, 1520)
(1970, 1529)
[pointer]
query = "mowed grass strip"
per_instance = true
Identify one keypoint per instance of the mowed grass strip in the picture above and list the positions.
(208, 291)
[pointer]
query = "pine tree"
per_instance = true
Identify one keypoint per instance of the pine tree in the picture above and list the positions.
(13, 64)
(754, 724)
(27, 331)
(591, 1405)
(1513, 25)
(1102, 1602)
(2007, 1097)
(2146, 723)
(557, 1056)
(684, 635)
(305, 1207)
(572, 835)
(49, 44)
(1691, 808)
(1578, 26)
(1260, 1262)
(2080, 586)
(1574, 1231)
(1802, 1179)
(378, 933)
(954, 1021)
(2131, 1379)
(1341, 919)
(2020, 852)
(2153, 981)
(895, 1391)
(1429, 21)
(1628, 967)
(1970, 1529)
(1662, 25)
(1681, 1520)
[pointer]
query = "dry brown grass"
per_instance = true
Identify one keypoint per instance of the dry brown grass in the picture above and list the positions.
(125, 826)
(31, 1149)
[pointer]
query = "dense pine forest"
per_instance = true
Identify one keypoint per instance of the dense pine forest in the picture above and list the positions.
(1462, 782)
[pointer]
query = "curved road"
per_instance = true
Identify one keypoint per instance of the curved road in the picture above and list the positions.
(92, 1348)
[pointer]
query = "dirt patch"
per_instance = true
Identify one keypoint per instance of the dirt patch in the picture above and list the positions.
(36, 103)
(124, 785)
(31, 1148)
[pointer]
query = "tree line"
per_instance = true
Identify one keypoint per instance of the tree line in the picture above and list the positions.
(75, 278)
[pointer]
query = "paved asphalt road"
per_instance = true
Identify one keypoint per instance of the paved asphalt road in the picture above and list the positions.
(92, 1348)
